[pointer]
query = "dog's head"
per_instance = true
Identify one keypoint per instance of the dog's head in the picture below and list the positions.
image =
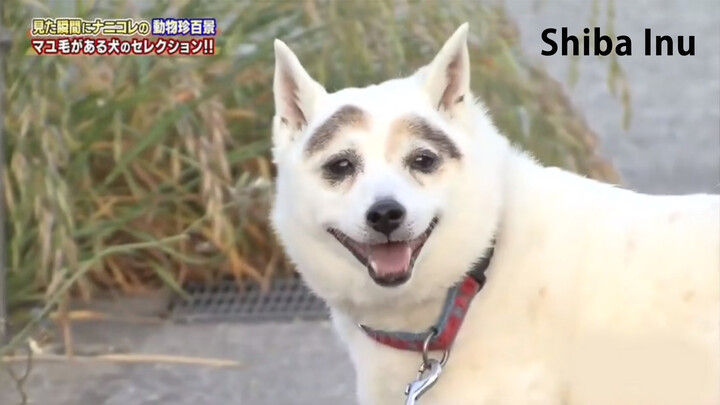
(391, 185)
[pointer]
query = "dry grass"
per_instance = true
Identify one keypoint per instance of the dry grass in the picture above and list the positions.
(109, 156)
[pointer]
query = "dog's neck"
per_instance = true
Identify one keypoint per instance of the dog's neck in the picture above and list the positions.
(404, 315)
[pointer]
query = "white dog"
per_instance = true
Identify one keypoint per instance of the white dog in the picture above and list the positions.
(395, 200)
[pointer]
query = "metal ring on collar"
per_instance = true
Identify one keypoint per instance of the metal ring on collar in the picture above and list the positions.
(425, 349)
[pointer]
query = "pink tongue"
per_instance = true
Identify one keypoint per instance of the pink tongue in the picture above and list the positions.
(390, 258)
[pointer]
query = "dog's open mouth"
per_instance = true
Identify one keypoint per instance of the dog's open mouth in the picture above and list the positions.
(390, 264)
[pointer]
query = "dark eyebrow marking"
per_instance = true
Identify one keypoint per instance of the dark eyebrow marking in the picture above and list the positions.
(422, 129)
(348, 115)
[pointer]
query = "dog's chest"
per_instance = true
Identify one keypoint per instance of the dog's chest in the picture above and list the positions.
(472, 376)
(467, 385)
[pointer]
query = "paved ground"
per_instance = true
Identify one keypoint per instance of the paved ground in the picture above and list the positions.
(295, 363)
(672, 146)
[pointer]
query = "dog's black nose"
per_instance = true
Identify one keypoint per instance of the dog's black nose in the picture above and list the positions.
(385, 216)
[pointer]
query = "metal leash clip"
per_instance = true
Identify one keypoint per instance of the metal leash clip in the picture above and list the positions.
(428, 374)
(427, 377)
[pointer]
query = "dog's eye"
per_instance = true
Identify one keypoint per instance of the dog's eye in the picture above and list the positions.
(339, 168)
(424, 162)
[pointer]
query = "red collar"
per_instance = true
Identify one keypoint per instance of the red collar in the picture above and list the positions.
(448, 325)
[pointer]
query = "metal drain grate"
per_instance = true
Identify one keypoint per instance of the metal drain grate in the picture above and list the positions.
(286, 299)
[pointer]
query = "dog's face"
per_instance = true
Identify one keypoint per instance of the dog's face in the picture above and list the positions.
(368, 178)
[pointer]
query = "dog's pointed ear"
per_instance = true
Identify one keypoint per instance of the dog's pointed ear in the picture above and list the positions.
(295, 91)
(447, 78)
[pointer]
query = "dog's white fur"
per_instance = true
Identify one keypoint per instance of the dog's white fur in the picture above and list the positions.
(596, 295)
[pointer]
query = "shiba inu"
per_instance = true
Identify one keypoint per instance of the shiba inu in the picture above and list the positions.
(436, 242)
